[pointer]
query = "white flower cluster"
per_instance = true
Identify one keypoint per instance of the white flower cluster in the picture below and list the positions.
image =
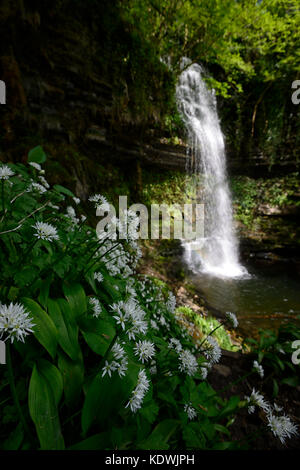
(257, 399)
(96, 306)
(45, 231)
(36, 187)
(187, 362)
(258, 368)
(144, 350)
(212, 350)
(174, 343)
(5, 172)
(98, 276)
(130, 316)
(232, 320)
(119, 363)
(117, 260)
(71, 215)
(139, 392)
(171, 303)
(15, 322)
(281, 426)
(37, 166)
(190, 411)
(100, 201)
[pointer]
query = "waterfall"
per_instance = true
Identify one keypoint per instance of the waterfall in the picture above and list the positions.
(217, 252)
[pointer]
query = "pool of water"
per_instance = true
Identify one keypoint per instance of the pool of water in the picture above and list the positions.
(267, 298)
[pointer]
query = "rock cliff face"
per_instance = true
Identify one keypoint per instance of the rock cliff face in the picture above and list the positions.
(63, 88)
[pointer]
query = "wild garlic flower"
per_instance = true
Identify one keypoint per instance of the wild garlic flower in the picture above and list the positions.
(97, 309)
(118, 351)
(258, 368)
(232, 320)
(174, 343)
(5, 172)
(153, 368)
(282, 427)
(187, 362)
(212, 350)
(256, 399)
(100, 201)
(144, 350)
(36, 187)
(35, 165)
(15, 322)
(98, 276)
(171, 303)
(154, 325)
(203, 372)
(122, 367)
(130, 316)
(190, 411)
(45, 231)
(44, 181)
(108, 368)
(71, 214)
(76, 200)
(139, 392)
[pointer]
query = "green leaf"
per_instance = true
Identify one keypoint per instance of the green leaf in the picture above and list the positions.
(222, 429)
(63, 190)
(67, 330)
(160, 436)
(44, 329)
(73, 376)
(150, 411)
(275, 388)
(14, 440)
(43, 411)
(76, 298)
(37, 155)
(44, 290)
(291, 381)
(97, 333)
(193, 436)
(111, 391)
(96, 442)
(230, 406)
(53, 377)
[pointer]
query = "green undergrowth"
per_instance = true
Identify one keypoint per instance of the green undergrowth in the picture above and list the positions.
(208, 324)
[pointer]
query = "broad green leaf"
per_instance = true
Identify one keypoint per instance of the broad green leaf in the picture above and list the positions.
(63, 190)
(73, 376)
(76, 298)
(43, 411)
(222, 429)
(150, 411)
(37, 155)
(53, 377)
(44, 329)
(44, 291)
(160, 436)
(97, 333)
(113, 391)
(193, 436)
(67, 330)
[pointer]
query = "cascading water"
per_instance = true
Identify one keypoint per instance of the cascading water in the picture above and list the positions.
(217, 252)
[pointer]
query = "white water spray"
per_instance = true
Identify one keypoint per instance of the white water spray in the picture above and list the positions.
(217, 253)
